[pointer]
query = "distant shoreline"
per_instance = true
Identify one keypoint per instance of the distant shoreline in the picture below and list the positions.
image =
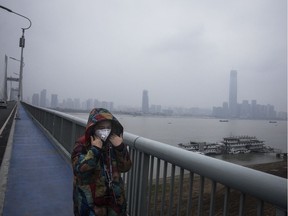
(139, 113)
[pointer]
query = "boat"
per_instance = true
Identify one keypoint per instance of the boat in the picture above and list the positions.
(203, 147)
(271, 121)
(223, 120)
(245, 144)
(229, 145)
(233, 151)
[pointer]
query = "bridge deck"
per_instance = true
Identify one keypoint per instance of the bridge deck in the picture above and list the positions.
(39, 178)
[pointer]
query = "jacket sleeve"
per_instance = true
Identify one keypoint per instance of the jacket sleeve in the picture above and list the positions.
(123, 158)
(83, 161)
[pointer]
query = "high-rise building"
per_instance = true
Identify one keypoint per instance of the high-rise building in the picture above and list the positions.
(145, 102)
(35, 99)
(233, 94)
(77, 104)
(43, 98)
(69, 104)
(54, 101)
(90, 104)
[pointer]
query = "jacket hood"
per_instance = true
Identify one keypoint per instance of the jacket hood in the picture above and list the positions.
(100, 114)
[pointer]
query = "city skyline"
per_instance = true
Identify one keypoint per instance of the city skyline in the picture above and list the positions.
(245, 109)
(231, 109)
(232, 79)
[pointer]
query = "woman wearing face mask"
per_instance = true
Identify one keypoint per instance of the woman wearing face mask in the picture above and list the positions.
(98, 158)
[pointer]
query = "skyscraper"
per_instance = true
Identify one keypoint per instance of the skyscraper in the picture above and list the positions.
(35, 99)
(43, 98)
(145, 102)
(233, 94)
(54, 101)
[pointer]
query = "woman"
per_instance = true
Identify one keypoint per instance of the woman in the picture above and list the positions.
(98, 158)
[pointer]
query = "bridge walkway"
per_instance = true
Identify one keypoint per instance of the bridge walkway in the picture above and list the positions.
(39, 179)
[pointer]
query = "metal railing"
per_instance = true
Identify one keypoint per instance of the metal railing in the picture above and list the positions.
(167, 180)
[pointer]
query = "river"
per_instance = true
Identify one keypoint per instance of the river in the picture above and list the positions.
(175, 130)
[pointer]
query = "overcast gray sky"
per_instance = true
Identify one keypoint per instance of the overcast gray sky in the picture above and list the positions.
(181, 51)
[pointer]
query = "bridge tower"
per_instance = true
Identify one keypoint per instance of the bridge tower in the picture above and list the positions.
(6, 79)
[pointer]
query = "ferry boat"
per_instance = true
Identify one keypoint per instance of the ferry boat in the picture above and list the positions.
(229, 145)
(203, 147)
(244, 144)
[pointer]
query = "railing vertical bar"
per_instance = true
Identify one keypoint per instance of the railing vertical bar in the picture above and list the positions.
(226, 202)
(53, 125)
(242, 204)
(156, 186)
(190, 197)
(135, 183)
(150, 182)
(72, 136)
(139, 180)
(44, 118)
(260, 208)
(142, 209)
(61, 130)
(131, 179)
(131, 200)
(200, 199)
(180, 191)
(172, 180)
(212, 198)
(164, 187)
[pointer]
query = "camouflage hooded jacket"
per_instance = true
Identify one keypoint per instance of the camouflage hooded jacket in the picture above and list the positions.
(94, 168)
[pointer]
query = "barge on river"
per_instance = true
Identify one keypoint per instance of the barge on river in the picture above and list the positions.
(229, 145)
(203, 147)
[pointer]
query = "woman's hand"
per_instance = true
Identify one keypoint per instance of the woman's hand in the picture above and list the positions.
(96, 141)
(116, 140)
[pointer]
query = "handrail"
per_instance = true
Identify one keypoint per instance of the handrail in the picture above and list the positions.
(250, 181)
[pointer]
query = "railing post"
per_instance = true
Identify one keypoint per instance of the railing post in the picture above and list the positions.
(73, 138)
(143, 183)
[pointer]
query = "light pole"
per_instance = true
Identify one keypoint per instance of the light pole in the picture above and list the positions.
(22, 45)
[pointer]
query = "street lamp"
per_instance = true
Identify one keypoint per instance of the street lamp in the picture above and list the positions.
(22, 45)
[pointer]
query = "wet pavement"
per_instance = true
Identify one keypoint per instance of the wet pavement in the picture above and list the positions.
(38, 178)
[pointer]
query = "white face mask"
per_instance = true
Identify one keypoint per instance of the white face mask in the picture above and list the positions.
(103, 133)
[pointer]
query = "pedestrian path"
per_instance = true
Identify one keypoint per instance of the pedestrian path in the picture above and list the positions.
(39, 178)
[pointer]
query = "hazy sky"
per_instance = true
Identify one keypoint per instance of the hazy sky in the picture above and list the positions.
(181, 51)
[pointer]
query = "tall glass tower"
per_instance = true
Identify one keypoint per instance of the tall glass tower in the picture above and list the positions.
(145, 102)
(233, 94)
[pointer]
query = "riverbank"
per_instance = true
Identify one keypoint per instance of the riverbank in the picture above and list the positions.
(275, 168)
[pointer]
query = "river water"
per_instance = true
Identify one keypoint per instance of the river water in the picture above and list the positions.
(174, 130)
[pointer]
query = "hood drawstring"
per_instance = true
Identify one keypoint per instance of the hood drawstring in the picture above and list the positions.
(109, 171)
